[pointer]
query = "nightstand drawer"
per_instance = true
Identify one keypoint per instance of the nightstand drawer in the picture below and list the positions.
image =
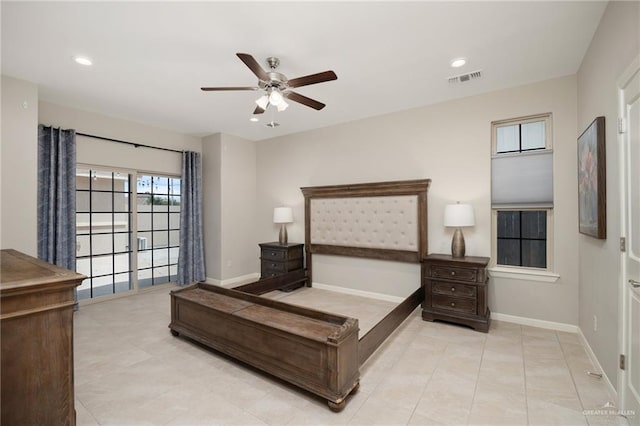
(453, 273)
(277, 267)
(271, 254)
(453, 289)
(456, 304)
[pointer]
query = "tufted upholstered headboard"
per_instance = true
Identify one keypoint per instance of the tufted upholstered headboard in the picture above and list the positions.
(382, 220)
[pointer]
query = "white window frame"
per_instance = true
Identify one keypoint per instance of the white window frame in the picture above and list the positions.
(523, 272)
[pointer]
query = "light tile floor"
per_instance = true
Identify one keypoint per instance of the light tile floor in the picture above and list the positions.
(129, 370)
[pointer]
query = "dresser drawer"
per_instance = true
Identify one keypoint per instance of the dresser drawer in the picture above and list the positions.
(453, 289)
(455, 304)
(453, 273)
(271, 254)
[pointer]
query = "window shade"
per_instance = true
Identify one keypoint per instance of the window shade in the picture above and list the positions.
(522, 180)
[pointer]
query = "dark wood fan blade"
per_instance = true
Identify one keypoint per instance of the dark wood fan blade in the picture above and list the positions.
(320, 77)
(258, 110)
(297, 97)
(222, 89)
(253, 65)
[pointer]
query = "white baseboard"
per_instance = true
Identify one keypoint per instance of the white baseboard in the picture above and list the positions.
(550, 325)
(352, 291)
(243, 279)
(612, 390)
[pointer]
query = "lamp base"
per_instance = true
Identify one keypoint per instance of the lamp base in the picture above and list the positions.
(457, 244)
(283, 238)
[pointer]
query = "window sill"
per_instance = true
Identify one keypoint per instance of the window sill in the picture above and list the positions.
(523, 274)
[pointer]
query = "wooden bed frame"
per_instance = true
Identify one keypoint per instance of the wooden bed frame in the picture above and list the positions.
(315, 350)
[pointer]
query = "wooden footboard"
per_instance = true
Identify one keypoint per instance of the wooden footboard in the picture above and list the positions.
(314, 350)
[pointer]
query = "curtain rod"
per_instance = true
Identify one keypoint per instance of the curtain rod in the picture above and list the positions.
(137, 145)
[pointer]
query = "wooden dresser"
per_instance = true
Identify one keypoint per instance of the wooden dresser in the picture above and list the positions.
(276, 258)
(455, 290)
(36, 325)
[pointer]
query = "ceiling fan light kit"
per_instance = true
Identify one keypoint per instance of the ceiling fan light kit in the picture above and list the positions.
(277, 87)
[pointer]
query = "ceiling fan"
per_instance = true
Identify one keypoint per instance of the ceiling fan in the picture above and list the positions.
(276, 86)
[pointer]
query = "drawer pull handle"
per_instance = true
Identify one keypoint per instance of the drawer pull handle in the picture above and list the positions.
(453, 289)
(453, 273)
(453, 304)
(273, 264)
(273, 253)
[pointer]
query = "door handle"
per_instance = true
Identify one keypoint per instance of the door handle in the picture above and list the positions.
(634, 283)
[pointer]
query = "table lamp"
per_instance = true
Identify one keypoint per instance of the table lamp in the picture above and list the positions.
(458, 215)
(283, 215)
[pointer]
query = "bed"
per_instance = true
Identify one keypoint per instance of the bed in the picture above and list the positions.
(318, 351)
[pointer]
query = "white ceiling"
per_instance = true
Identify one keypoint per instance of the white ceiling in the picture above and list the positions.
(151, 58)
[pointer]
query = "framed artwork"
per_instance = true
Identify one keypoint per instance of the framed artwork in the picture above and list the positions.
(592, 192)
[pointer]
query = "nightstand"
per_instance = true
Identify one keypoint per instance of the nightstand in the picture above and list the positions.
(455, 290)
(277, 259)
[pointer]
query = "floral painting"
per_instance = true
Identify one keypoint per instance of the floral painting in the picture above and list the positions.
(591, 180)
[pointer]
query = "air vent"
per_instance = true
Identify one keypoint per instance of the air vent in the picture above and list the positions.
(465, 77)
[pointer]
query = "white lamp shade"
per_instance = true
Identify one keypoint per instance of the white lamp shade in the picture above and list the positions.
(282, 215)
(459, 215)
(263, 101)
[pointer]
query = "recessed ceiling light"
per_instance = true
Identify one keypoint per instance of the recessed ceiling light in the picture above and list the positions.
(254, 119)
(82, 60)
(457, 63)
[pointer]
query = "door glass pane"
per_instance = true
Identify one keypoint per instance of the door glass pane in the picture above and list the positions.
(101, 244)
(82, 201)
(101, 201)
(121, 262)
(144, 221)
(160, 275)
(174, 220)
(160, 221)
(121, 202)
(82, 179)
(84, 289)
(121, 243)
(82, 246)
(123, 282)
(174, 238)
(160, 257)
(160, 239)
(145, 278)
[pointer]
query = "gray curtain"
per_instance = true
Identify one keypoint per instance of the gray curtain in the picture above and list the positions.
(57, 196)
(191, 258)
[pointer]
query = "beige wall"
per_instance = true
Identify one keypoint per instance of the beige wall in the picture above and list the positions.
(229, 183)
(211, 204)
(451, 144)
(614, 46)
(240, 246)
(103, 153)
(19, 165)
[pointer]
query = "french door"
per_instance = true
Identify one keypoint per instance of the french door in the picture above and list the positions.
(127, 230)
(629, 96)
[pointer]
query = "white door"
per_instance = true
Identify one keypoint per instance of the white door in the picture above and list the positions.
(630, 288)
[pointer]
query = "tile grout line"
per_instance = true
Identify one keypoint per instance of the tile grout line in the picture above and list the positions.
(475, 388)
(524, 374)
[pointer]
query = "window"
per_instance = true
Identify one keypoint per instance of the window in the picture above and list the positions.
(117, 253)
(103, 232)
(158, 237)
(522, 192)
